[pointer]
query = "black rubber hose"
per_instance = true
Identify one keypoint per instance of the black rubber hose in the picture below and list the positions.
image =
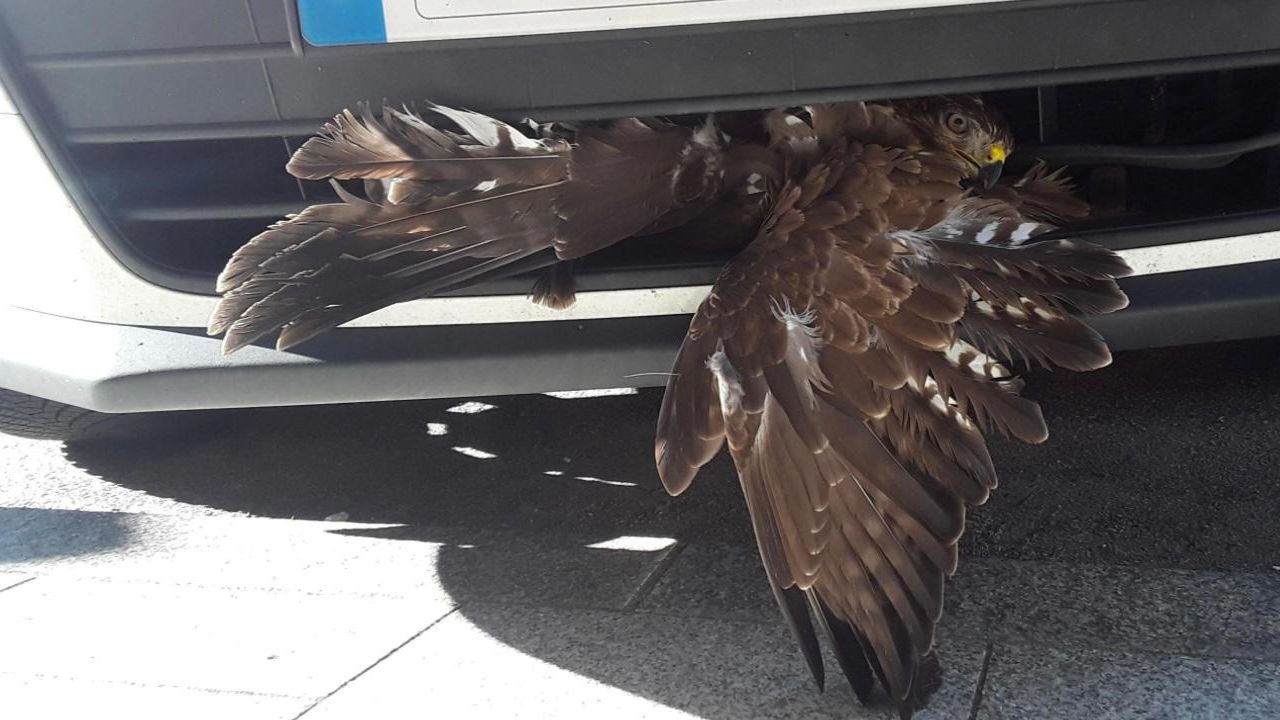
(1174, 157)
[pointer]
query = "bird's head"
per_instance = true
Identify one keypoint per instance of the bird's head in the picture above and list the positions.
(965, 127)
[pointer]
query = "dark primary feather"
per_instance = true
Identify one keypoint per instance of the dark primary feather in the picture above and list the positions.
(371, 256)
(854, 656)
(794, 604)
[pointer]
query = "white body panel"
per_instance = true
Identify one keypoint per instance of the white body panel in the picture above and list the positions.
(408, 20)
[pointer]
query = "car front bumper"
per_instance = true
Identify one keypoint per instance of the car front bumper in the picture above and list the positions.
(124, 368)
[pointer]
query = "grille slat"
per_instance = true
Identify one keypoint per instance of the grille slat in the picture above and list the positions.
(203, 131)
(177, 213)
(197, 54)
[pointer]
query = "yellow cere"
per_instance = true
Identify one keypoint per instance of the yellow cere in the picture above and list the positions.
(997, 153)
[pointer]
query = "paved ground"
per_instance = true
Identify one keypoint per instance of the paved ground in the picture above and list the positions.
(516, 558)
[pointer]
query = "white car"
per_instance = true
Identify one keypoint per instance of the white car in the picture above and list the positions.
(144, 140)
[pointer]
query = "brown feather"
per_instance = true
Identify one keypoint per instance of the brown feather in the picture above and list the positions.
(459, 206)
(402, 145)
(690, 423)
(847, 306)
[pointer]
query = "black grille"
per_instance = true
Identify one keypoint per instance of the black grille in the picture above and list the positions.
(171, 121)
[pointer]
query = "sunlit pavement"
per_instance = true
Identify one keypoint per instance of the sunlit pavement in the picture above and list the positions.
(516, 557)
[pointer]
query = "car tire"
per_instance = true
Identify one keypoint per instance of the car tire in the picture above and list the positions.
(37, 418)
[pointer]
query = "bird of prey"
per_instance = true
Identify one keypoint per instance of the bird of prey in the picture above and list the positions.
(850, 354)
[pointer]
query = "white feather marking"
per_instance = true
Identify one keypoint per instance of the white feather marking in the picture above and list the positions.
(707, 135)
(728, 382)
(804, 337)
(793, 120)
(945, 405)
(784, 312)
(979, 363)
(481, 127)
(983, 365)
(987, 233)
(485, 186)
(802, 323)
(1023, 232)
(1015, 312)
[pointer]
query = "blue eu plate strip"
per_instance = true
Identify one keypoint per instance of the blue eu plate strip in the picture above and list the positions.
(342, 22)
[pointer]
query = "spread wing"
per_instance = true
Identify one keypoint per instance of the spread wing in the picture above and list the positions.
(447, 208)
(832, 355)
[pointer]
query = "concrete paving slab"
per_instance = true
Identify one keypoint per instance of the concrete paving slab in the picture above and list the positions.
(1170, 611)
(523, 662)
(1086, 684)
(269, 642)
(27, 698)
(437, 565)
(1173, 611)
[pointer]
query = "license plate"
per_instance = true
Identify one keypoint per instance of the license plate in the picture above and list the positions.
(355, 22)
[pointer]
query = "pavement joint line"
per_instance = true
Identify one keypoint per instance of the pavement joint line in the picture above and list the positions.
(376, 663)
(650, 581)
(143, 684)
(77, 575)
(20, 583)
(976, 705)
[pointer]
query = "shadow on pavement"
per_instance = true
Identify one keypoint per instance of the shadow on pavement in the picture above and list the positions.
(526, 463)
(1166, 459)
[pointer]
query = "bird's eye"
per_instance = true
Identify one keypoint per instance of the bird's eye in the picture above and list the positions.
(957, 123)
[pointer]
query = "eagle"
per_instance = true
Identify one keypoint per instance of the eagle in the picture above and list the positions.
(851, 353)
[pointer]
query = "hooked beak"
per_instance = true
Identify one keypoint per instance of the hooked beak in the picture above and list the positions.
(988, 166)
(988, 174)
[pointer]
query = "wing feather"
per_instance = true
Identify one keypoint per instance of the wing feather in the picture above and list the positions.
(868, 348)
(447, 208)
(402, 145)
